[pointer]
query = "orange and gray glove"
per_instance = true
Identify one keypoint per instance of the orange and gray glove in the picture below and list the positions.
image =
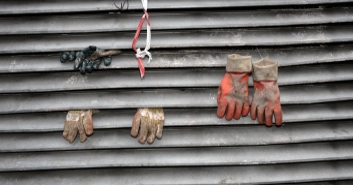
(148, 124)
(266, 99)
(233, 92)
(78, 121)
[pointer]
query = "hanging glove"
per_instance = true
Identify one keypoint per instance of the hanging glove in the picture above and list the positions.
(148, 123)
(233, 92)
(266, 99)
(78, 121)
(89, 58)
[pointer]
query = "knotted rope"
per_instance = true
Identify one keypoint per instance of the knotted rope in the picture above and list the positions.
(141, 54)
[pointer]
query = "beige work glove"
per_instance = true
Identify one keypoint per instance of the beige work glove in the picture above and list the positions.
(148, 124)
(78, 121)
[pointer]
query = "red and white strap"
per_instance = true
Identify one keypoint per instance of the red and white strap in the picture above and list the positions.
(141, 54)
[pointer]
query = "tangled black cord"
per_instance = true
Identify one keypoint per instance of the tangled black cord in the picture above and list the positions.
(82, 59)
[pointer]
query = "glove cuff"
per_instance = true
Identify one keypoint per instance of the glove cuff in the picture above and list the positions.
(73, 115)
(152, 113)
(238, 63)
(265, 69)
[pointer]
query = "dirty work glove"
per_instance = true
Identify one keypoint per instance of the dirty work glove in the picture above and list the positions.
(233, 92)
(148, 123)
(266, 99)
(89, 58)
(78, 121)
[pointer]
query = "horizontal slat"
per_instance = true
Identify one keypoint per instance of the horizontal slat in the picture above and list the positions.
(67, 81)
(284, 173)
(184, 137)
(160, 21)
(62, 6)
(21, 103)
(179, 39)
(186, 58)
(216, 156)
(48, 122)
(333, 182)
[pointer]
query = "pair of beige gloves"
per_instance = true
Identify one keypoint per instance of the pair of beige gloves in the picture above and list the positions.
(147, 124)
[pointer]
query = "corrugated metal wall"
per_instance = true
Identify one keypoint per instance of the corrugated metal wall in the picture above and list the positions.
(312, 41)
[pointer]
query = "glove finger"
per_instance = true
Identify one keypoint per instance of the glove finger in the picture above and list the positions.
(246, 108)
(160, 130)
(64, 57)
(143, 131)
(230, 111)
(88, 122)
(238, 110)
(89, 67)
(81, 130)
(268, 117)
(95, 66)
(253, 109)
(83, 67)
(261, 115)
(77, 64)
(72, 134)
(278, 115)
(221, 110)
(107, 60)
(66, 130)
(152, 132)
(72, 56)
(135, 124)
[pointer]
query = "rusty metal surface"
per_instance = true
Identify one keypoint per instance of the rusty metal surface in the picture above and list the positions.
(214, 156)
(265, 174)
(285, 56)
(68, 81)
(282, 36)
(172, 20)
(202, 136)
(67, 6)
(121, 99)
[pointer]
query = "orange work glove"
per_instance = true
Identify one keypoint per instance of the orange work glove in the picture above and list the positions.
(233, 92)
(266, 99)
(78, 121)
(148, 123)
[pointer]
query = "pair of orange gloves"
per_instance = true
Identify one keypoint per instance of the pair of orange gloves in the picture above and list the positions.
(233, 92)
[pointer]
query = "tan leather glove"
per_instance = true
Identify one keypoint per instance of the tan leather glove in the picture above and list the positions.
(147, 124)
(78, 121)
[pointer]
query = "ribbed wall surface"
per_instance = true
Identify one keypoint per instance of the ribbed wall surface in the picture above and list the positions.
(312, 41)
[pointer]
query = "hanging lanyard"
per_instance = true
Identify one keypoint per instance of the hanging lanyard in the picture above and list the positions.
(141, 54)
